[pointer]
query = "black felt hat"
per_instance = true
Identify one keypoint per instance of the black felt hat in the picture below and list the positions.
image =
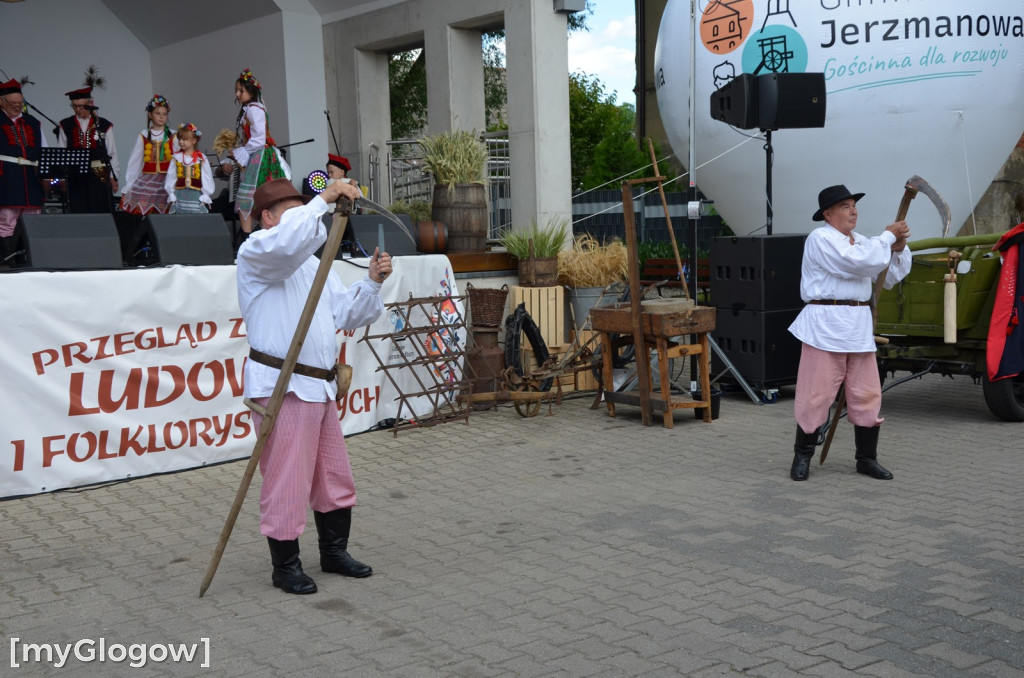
(830, 196)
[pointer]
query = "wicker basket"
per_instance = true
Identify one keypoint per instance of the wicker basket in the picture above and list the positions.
(487, 305)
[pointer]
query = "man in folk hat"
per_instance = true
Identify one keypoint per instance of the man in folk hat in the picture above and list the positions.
(305, 462)
(93, 191)
(836, 326)
(21, 139)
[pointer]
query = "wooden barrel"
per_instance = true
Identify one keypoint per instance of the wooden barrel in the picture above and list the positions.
(464, 210)
(432, 237)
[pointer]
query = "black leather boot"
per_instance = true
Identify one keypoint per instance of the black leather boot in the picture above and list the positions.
(333, 528)
(803, 450)
(288, 575)
(866, 440)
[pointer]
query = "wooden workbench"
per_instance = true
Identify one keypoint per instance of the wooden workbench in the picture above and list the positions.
(659, 330)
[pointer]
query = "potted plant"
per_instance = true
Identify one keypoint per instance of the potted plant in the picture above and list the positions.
(457, 161)
(587, 269)
(536, 250)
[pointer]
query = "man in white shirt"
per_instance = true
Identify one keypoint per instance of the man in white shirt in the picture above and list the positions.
(836, 328)
(305, 462)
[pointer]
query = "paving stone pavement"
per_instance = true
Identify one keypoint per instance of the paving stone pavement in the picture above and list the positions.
(569, 544)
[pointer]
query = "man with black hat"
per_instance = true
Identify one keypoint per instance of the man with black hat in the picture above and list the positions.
(305, 462)
(92, 192)
(21, 139)
(836, 326)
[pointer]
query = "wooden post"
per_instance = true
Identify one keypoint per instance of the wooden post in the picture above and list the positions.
(643, 356)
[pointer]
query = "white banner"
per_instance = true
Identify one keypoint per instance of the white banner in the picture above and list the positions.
(119, 374)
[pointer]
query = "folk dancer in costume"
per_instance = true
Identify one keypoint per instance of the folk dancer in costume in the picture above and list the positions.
(188, 183)
(305, 462)
(836, 329)
(93, 191)
(258, 157)
(21, 139)
(144, 173)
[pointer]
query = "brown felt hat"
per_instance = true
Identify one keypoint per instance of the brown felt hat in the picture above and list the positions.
(269, 194)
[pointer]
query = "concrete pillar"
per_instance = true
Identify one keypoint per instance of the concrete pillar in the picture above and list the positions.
(304, 92)
(537, 57)
(373, 116)
(455, 79)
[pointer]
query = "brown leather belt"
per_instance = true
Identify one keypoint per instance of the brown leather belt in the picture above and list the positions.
(839, 302)
(304, 370)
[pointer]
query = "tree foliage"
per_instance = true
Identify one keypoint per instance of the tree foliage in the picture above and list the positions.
(407, 74)
(603, 143)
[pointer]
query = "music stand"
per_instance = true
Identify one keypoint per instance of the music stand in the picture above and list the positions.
(61, 163)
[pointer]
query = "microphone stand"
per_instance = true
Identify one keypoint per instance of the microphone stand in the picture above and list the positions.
(337, 148)
(56, 125)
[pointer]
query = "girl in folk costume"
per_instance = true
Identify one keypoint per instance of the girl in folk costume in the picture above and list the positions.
(189, 180)
(143, 191)
(258, 157)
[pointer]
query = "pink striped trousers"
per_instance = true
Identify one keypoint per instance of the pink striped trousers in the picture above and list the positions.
(304, 465)
(817, 382)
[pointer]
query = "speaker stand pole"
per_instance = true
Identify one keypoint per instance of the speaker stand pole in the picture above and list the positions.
(768, 161)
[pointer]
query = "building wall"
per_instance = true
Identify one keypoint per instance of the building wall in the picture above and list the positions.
(53, 42)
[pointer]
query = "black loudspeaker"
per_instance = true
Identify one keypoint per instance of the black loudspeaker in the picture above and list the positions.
(736, 102)
(790, 100)
(759, 345)
(365, 231)
(196, 239)
(756, 273)
(67, 242)
(772, 101)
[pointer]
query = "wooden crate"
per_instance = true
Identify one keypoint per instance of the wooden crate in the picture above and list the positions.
(546, 305)
(585, 380)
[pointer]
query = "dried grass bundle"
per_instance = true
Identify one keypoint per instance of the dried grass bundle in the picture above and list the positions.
(591, 264)
(225, 141)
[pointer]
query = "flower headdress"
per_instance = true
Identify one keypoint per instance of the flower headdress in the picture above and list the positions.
(189, 127)
(157, 100)
(247, 76)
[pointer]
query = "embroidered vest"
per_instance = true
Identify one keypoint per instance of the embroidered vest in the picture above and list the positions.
(156, 157)
(190, 176)
(92, 138)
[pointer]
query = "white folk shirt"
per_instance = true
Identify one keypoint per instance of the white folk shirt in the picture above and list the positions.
(833, 268)
(276, 268)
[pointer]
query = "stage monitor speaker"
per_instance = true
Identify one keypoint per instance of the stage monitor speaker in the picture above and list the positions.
(365, 231)
(759, 345)
(735, 103)
(757, 272)
(790, 100)
(67, 242)
(193, 239)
